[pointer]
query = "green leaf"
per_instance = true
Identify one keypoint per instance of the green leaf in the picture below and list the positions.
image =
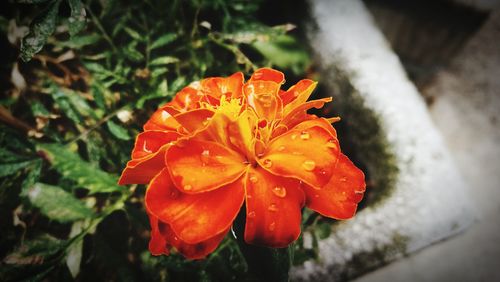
(134, 34)
(118, 131)
(164, 61)
(158, 72)
(57, 204)
(74, 253)
(131, 52)
(64, 103)
(161, 91)
(42, 26)
(10, 168)
(79, 41)
(31, 1)
(32, 176)
(77, 20)
(71, 166)
(163, 40)
(285, 52)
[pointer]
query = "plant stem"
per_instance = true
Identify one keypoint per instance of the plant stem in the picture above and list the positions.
(99, 26)
(264, 264)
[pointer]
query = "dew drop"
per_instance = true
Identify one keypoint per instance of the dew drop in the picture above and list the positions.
(296, 153)
(251, 214)
(294, 136)
(343, 179)
(279, 191)
(281, 148)
(145, 149)
(272, 226)
(332, 144)
(174, 194)
(323, 172)
(316, 196)
(165, 115)
(188, 187)
(273, 208)
(253, 179)
(205, 156)
(304, 135)
(309, 165)
(268, 163)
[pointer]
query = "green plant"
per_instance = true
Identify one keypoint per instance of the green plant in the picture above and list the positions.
(95, 71)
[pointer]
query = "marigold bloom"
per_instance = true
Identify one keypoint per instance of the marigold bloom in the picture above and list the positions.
(221, 143)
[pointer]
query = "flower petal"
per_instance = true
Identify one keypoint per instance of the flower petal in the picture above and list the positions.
(339, 198)
(298, 114)
(299, 93)
(263, 97)
(230, 86)
(194, 120)
(157, 243)
(161, 120)
(273, 206)
(149, 142)
(191, 251)
(268, 74)
(200, 166)
(141, 171)
(321, 122)
(309, 155)
(194, 218)
(241, 133)
(188, 98)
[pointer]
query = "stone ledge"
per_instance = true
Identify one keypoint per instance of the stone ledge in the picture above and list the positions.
(427, 201)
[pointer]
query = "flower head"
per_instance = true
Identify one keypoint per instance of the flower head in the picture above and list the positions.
(222, 143)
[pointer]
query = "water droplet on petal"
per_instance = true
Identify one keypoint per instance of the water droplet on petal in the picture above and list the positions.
(268, 163)
(279, 191)
(145, 149)
(296, 153)
(273, 208)
(304, 135)
(165, 115)
(251, 214)
(323, 172)
(188, 187)
(332, 144)
(205, 156)
(174, 194)
(281, 148)
(294, 136)
(316, 196)
(253, 179)
(272, 226)
(309, 165)
(343, 179)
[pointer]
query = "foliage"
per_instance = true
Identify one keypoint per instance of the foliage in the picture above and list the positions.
(96, 71)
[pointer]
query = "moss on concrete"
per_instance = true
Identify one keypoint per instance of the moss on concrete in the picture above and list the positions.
(361, 135)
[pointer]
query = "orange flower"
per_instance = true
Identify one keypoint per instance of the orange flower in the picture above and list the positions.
(221, 143)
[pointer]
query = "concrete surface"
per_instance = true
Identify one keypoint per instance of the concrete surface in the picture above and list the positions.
(428, 201)
(467, 112)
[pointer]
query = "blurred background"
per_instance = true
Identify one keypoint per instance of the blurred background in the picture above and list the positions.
(78, 79)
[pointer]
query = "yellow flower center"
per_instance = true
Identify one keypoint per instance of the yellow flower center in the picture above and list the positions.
(231, 108)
